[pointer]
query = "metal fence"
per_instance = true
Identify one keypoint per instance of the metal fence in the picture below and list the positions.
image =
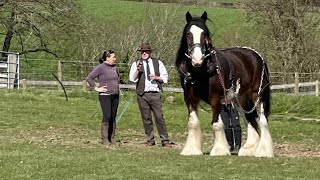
(9, 70)
(43, 70)
(40, 73)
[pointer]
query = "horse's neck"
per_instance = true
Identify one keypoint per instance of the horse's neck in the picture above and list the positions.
(226, 69)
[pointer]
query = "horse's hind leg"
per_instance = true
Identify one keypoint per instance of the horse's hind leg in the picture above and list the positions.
(250, 146)
(265, 146)
(194, 139)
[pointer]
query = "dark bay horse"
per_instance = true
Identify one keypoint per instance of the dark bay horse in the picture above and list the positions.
(239, 75)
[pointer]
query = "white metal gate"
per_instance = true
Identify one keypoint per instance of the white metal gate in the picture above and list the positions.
(9, 70)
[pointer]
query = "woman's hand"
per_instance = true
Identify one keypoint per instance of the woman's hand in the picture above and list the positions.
(101, 89)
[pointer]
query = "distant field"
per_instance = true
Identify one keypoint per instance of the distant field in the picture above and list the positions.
(127, 13)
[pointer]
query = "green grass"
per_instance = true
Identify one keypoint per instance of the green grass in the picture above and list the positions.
(44, 137)
(129, 13)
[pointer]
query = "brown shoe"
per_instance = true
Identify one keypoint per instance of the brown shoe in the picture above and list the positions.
(167, 144)
(150, 143)
(105, 142)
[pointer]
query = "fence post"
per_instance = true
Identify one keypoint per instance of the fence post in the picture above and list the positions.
(84, 85)
(296, 83)
(317, 88)
(59, 74)
(24, 84)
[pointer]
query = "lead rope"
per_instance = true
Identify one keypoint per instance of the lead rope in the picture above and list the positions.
(221, 80)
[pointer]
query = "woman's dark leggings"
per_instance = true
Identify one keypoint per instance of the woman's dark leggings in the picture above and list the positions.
(109, 106)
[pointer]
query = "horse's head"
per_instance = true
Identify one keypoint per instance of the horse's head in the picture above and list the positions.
(197, 38)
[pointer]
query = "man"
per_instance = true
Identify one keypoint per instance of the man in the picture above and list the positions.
(230, 118)
(148, 74)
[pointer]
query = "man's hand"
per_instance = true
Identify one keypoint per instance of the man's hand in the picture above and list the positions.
(139, 65)
(154, 77)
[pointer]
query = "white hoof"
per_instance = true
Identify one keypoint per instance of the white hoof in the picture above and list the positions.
(264, 153)
(219, 151)
(189, 151)
(247, 150)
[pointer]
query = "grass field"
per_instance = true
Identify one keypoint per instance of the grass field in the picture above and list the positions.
(128, 13)
(44, 137)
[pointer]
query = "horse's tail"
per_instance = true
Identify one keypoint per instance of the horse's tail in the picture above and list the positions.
(266, 92)
(266, 100)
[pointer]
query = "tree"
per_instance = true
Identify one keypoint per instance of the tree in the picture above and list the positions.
(160, 28)
(289, 33)
(36, 25)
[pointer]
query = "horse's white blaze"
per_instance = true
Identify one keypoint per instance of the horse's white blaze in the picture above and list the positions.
(220, 147)
(265, 146)
(197, 53)
(194, 139)
(249, 148)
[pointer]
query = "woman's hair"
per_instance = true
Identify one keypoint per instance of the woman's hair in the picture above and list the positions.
(105, 55)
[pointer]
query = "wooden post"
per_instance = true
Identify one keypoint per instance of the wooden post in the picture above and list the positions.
(59, 74)
(24, 84)
(84, 85)
(296, 83)
(317, 88)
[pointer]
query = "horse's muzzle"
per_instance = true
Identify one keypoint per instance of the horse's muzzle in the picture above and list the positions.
(198, 64)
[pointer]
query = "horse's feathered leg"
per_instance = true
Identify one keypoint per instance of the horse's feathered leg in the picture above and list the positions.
(220, 146)
(265, 146)
(194, 139)
(250, 146)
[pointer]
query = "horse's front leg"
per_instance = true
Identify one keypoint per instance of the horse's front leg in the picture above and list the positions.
(220, 146)
(194, 139)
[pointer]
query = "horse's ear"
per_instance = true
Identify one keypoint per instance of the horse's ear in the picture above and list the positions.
(204, 16)
(188, 17)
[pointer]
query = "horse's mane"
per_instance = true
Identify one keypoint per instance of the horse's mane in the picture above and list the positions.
(183, 48)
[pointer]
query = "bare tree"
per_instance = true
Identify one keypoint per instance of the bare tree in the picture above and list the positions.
(289, 33)
(160, 27)
(36, 25)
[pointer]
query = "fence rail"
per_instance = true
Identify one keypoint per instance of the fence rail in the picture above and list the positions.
(38, 72)
(84, 85)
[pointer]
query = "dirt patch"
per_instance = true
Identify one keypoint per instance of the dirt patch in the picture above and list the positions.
(84, 138)
(295, 150)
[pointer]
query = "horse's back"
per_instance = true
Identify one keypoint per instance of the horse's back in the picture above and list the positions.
(245, 55)
(248, 65)
(244, 59)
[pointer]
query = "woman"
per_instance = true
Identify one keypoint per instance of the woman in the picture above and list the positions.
(108, 89)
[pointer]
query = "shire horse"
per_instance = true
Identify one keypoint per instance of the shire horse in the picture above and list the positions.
(238, 74)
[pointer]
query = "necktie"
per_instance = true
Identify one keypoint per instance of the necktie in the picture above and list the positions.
(148, 70)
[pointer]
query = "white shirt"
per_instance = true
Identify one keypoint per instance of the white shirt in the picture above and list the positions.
(149, 85)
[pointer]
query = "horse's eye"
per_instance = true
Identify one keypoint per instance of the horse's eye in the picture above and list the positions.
(189, 34)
